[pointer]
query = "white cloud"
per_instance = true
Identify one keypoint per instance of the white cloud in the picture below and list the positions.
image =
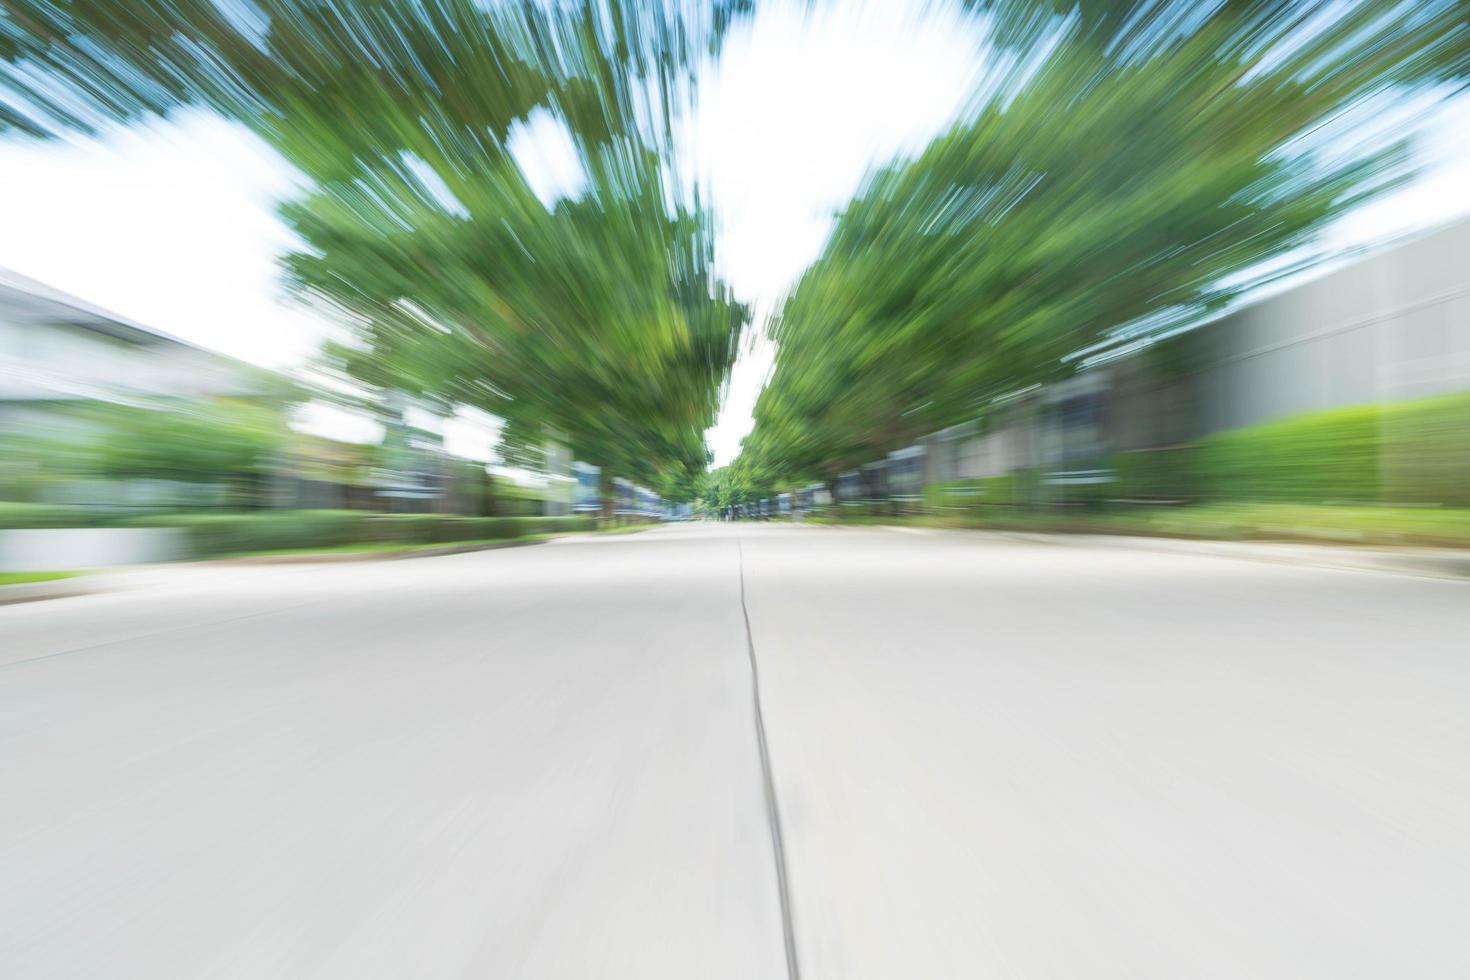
(472, 434)
(1440, 194)
(752, 370)
(434, 185)
(333, 422)
(172, 224)
(543, 149)
(801, 106)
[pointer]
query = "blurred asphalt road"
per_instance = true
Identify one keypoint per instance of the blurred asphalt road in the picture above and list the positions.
(991, 759)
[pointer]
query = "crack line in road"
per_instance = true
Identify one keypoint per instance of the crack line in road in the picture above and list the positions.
(768, 780)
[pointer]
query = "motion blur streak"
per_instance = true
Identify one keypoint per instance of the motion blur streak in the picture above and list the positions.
(1017, 711)
(993, 758)
(535, 763)
(598, 321)
(1126, 171)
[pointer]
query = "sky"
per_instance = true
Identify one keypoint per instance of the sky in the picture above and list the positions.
(173, 223)
(800, 106)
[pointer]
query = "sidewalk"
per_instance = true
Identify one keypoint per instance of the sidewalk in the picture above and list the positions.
(1434, 562)
(53, 589)
(367, 553)
(110, 579)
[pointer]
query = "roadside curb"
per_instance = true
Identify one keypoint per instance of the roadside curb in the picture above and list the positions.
(332, 557)
(55, 589)
(98, 584)
(1432, 562)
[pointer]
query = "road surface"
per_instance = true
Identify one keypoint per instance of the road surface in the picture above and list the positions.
(986, 758)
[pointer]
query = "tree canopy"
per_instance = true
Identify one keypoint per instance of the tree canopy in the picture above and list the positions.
(1124, 165)
(596, 319)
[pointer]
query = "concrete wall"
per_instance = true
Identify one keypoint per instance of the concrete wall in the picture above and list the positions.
(1390, 327)
(1011, 441)
(66, 549)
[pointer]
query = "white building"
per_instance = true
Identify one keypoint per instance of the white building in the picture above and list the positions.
(56, 349)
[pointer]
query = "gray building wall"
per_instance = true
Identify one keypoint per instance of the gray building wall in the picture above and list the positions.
(1009, 440)
(1389, 327)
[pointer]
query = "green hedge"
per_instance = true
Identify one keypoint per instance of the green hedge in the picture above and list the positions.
(26, 515)
(1425, 447)
(1407, 452)
(440, 529)
(1009, 490)
(224, 534)
(214, 533)
(1319, 457)
(1157, 474)
(232, 533)
(511, 506)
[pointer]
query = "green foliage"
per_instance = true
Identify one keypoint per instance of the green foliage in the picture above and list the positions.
(514, 501)
(25, 469)
(210, 534)
(224, 448)
(223, 534)
(570, 324)
(597, 321)
(26, 578)
(193, 442)
(1414, 452)
(723, 488)
(32, 515)
(1318, 457)
(1258, 521)
(442, 529)
(984, 494)
(1127, 165)
(1171, 473)
(331, 80)
(1408, 452)
(972, 495)
(1425, 451)
(1121, 160)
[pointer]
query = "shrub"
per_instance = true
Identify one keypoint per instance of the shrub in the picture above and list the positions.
(1425, 451)
(232, 533)
(999, 491)
(512, 506)
(951, 495)
(224, 534)
(1407, 452)
(23, 515)
(1157, 474)
(1317, 457)
(405, 529)
(446, 529)
(982, 493)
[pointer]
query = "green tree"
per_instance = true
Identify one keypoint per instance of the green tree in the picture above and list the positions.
(207, 442)
(597, 320)
(1124, 165)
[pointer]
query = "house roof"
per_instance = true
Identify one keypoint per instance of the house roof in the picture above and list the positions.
(24, 300)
